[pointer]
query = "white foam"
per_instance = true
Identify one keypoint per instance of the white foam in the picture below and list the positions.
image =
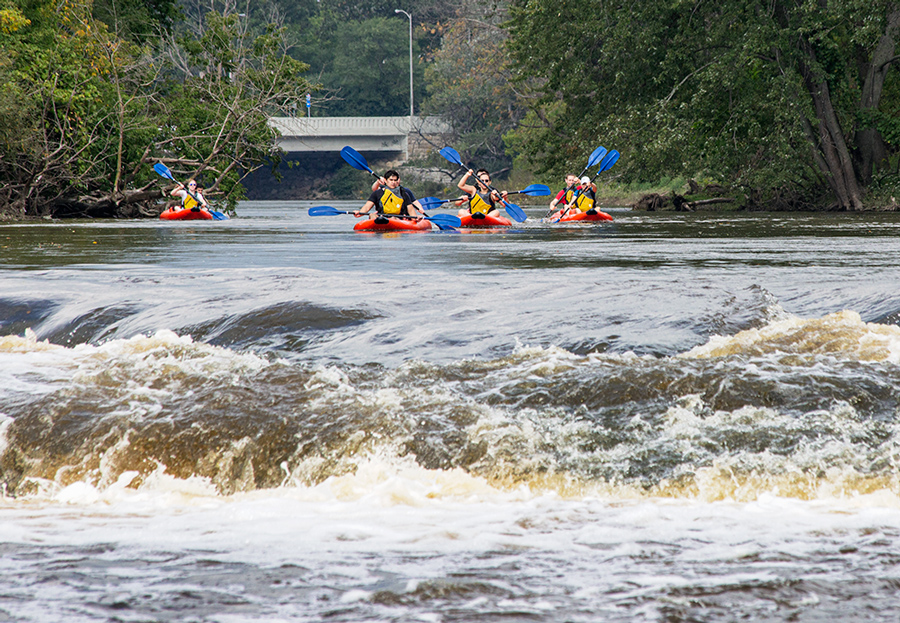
(842, 335)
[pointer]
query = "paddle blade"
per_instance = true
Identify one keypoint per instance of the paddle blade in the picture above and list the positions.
(515, 212)
(355, 159)
(451, 155)
(429, 203)
(163, 170)
(596, 156)
(535, 190)
(325, 211)
(218, 216)
(611, 158)
(445, 220)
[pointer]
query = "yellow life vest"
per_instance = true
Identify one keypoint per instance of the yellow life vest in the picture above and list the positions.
(584, 203)
(390, 203)
(478, 204)
(189, 202)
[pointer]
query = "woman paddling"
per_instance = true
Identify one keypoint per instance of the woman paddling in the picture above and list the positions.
(481, 199)
(191, 198)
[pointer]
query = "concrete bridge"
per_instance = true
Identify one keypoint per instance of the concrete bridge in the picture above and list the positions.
(406, 137)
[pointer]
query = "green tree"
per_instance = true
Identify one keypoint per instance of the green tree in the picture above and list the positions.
(227, 83)
(358, 52)
(367, 69)
(64, 133)
(137, 21)
(781, 94)
(84, 111)
(469, 85)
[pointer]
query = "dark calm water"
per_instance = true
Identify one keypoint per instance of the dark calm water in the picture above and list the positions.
(670, 417)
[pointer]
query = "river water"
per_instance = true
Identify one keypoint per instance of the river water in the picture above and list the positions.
(670, 417)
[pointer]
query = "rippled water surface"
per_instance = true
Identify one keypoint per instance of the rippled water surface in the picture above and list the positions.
(670, 417)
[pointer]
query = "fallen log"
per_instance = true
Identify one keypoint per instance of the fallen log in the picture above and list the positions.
(704, 202)
(655, 202)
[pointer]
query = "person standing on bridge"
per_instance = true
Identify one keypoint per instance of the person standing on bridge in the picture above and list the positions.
(391, 199)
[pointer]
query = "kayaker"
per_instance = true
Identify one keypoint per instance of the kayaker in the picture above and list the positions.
(391, 199)
(567, 193)
(191, 197)
(583, 198)
(481, 199)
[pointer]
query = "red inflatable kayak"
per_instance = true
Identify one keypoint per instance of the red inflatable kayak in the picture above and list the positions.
(590, 215)
(390, 223)
(479, 220)
(178, 214)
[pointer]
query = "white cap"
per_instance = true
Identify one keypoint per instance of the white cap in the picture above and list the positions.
(585, 180)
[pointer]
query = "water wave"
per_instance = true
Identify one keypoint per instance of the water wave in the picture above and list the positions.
(843, 335)
(798, 408)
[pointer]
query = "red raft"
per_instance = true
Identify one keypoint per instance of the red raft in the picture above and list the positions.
(391, 223)
(179, 214)
(480, 220)
(590, 215)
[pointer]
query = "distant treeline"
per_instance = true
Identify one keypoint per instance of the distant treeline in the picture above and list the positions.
(786, 101)
(782, 100)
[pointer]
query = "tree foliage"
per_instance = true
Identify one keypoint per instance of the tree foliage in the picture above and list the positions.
(87, 106)
(63, 128)
(358, 52)
(469, 85)
(784, 94)
(226, 84)
(138, 21)
(367, 72)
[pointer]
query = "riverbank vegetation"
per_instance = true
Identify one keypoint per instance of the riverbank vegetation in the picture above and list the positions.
(780, 105)
(785, 102)
(93, 93)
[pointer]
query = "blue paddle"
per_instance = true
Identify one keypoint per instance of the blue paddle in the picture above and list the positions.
(443, 221)
(429, 203)
(535, 190)
(355, 160)
(607, 163)
(593, 159)
(451, 155)
(326, 211)
(163, 170)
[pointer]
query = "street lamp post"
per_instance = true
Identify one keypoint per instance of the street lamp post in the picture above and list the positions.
(410, 66)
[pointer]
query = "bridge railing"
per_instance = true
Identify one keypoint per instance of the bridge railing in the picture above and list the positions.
(391, 134)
